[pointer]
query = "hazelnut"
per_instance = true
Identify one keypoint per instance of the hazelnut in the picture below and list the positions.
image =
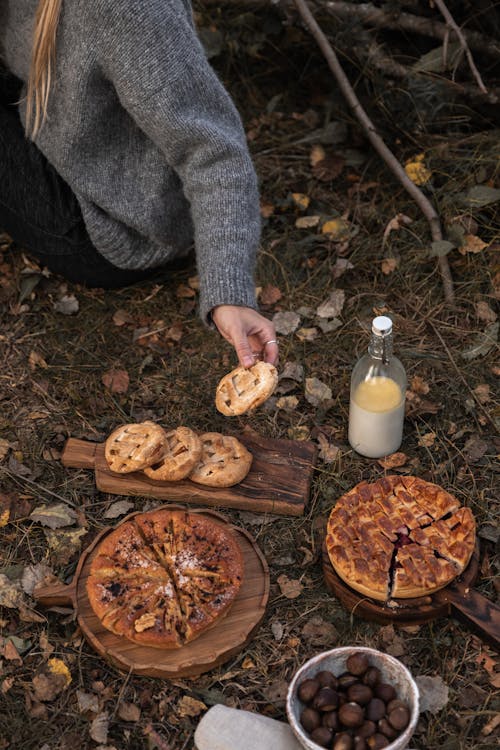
(372, 676)
(385, 691)
(375, 709)
(322, 736)
(331, 720)
(346, 679)
(396, 703)
(377, 742)
(384, 727)
(359, 693)
(326, 699)
(357, 664)
(399, 717)
(366, 729)
(342, 742)
(310, 719)
(307, 690)
(351, 715)
(359, 744)
(326, 679)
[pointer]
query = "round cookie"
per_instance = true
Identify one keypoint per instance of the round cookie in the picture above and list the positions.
(132, 447)
(244, 389)
(182, 453)
(224, 461)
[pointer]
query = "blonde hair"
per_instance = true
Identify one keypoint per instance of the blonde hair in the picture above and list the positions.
(42, 64)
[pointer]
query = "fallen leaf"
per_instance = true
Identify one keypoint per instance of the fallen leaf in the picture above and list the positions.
(317, 154)
(4, 448)
(277, 630)
(266, 210)
(427, 440)
(51, 680)
(300, 432)
(474, 449)
(286, 322)
(11, 653)
(317, 392)
(292, 371)
(433, 692)
(184, 291)
(129, 711)
(307, 222)
(33, 575)
(301, 200)
(67, 305)
(418, 385)
(319, 632)
(328, 452)
(417, 171)
(337, 229)
(248, 663)
(473, 244)
(485, 341)
(289, 587)
(388, 265)
(63, 543)
(11, 594)
(394, 461)
(54, 516)
(118, 509)
(333, 306)
(328, 168)
(188, 706)
(482, 392)
(340, 267)
(395, 224)
(122, 317)
(287, 403)
(307, 334)
(327, 326)
(276, 692)
(484, 312)
(88, 703)
(36, 360)
(99, 728)
(116, 381)
(270, 295)
(491, 725)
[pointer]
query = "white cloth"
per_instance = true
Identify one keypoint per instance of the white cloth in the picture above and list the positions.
(224, 728)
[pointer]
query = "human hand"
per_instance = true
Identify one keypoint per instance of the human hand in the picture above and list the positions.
(252, 335)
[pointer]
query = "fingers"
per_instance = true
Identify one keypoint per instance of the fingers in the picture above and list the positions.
(252, 335)
(271, 351)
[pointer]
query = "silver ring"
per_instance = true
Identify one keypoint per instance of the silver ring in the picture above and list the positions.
(272, 341)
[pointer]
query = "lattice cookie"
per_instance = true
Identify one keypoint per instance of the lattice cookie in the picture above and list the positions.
(132, 447)
(244, 389)
(224, 461)
(182, 453)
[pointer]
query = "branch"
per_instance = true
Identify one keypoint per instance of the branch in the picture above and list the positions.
(379, 145)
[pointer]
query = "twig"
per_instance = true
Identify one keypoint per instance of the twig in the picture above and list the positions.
(382, 149)
(21, 480)
(451, 23)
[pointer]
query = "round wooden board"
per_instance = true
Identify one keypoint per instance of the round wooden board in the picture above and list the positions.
(225, 639)
(404, 611)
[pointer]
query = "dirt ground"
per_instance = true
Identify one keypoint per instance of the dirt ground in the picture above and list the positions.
(337, 229)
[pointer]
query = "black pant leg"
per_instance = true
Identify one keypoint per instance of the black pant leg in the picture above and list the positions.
(39, 210)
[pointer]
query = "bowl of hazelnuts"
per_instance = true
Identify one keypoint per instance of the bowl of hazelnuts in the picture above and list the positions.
(353, 699)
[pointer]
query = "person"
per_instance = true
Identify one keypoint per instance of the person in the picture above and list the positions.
(120, 147)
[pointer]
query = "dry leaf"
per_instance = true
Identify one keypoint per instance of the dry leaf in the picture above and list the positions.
(11, 653)
(417, 171)
(99, 728)
(388, 265)
(11, 594)
(87, 702)
(394, 461)
(122, 317)
(319, 632)
(328, 452)
(36, 360)
(338, 230)
(184, 291)
(328, 168)
(474, 449)
(485, 341)
(54, 516)
(418, 385)
(118, 509)
(286, 322)
(427, 440)
(307, 334)
(64, 544)
(247, 663)
(67, 305)
(472, 244)
(292, 371)
(399, 221)
(340, 267)
(266, 210)
(307, 222)
(33, 575)
(129, 711)
(276, 692)
(433, 693)
(188, 706)
(482, 392)
(51, 680)
(317, 392)
(291, 588)
(4, 448)
(332, 306)
(317, 154)
(117, 381)
(301, 200)
(300, 432)
(270, 295)
(287, 403)
(484, 312)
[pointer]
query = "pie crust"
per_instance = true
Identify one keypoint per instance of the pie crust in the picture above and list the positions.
(243, 389)
(399, 538)
(224, 461)
(164, 577)
(132, 447)
(181, 454)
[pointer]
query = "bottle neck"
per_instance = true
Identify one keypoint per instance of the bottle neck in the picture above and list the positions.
(380, 347)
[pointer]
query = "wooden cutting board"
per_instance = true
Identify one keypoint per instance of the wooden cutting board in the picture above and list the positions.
(224, 640)
(458, 599)
(278, 482)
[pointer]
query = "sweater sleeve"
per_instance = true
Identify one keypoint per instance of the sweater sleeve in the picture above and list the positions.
(150, 52)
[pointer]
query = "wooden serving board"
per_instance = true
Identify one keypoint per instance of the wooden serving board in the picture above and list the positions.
(278, 482)
(457, 599)
(225, 639)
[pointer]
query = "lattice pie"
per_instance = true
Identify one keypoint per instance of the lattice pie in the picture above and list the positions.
(164, 577)
(399, 537)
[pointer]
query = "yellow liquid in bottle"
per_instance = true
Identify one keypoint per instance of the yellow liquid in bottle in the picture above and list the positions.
(376, 415)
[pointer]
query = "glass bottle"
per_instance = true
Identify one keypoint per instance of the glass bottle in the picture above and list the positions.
(378, 388)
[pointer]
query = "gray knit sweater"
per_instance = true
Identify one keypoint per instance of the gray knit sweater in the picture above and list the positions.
(148, 139)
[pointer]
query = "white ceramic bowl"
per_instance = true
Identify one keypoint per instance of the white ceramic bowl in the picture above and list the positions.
(393, 672)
